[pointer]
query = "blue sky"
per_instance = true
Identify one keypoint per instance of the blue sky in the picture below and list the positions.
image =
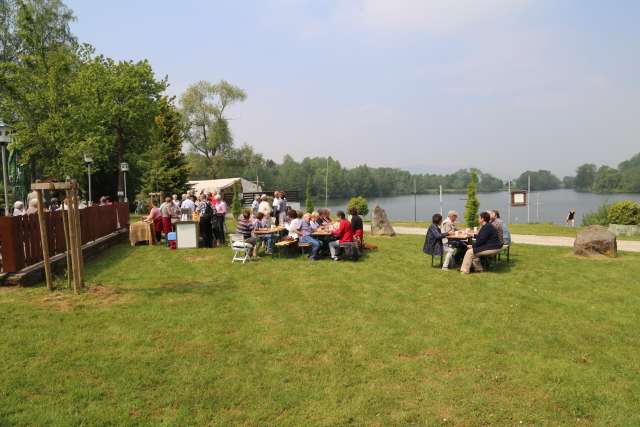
(503, 85)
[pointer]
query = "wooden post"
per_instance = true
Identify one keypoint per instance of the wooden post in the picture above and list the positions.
(45, 241)
(73, 240)
(76, 207)
(65, 226)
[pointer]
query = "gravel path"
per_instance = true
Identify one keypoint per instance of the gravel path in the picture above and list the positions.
(623, 245)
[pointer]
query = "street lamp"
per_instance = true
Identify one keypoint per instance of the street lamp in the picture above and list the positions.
(124, 167)
(5, 139)
(88, 161)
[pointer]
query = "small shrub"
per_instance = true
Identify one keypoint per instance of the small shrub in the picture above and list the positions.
(626, 212)
(598, 217)
(361, 205)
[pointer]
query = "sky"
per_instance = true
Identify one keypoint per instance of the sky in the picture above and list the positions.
(426, 85)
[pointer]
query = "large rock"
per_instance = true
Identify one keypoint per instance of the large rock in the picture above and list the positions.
(596, 240)
(380, 225)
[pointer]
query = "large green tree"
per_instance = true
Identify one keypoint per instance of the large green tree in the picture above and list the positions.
(204, 105)
(166, 167)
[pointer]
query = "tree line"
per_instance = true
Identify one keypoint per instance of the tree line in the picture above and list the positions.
(605, 179)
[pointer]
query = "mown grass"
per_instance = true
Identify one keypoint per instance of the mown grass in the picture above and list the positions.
(187, 338)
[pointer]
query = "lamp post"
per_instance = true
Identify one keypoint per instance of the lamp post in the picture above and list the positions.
(5, 139)
(124, 167)
(88, 161)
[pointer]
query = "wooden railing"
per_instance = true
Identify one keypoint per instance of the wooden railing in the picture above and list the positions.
(20, 244)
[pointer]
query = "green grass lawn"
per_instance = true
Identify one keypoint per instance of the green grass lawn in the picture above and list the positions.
(185, 337)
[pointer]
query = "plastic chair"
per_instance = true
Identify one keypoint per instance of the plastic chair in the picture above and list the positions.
(241, 249)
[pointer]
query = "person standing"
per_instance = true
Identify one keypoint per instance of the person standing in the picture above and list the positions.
(255, 205)
(265, 206)
(166, 209)
(220, 214)
(205, 212)
(571, 217)
(283, 208)
(276, 207)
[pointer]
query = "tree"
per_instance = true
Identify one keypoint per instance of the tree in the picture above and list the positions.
(360, 204)
(569, 182)
(540, 180)
(203, 106)
(607, 180)
(307, 196)
(236, 209)
(472, 205)
(585, 176)
(37, 62)
(166, 168)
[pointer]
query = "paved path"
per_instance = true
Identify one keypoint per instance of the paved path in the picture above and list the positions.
(623, 245)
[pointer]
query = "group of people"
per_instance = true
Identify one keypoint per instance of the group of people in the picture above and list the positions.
(256, 225)
(52, 205)
(208, 208)
(490, 238)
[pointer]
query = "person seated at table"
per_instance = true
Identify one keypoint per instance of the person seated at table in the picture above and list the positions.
(155, 218)
(306, 230)
(434, 242)
(263, 223)
(501, 227)
(245, 227)
(315, 219)
(294, 225)
(325, 218)
(449, 224)
(343, 233)
(357, 226)
(487, 243)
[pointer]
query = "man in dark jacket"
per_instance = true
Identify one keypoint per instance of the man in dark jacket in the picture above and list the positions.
(487, 243)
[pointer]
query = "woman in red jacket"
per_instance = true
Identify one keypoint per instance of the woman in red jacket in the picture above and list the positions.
(344, 233)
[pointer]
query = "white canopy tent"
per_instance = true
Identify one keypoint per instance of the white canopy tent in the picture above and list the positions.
(223, 185)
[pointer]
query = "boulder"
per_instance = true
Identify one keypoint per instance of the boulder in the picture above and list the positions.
(596, 240)
(380, 225)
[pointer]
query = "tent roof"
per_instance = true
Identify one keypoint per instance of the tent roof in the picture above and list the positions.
(221, 184)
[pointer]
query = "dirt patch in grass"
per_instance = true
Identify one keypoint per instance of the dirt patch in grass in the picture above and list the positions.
(93, 296)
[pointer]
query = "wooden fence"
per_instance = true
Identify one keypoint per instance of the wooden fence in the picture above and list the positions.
(20, 235)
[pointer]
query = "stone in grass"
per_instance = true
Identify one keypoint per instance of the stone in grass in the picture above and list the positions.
(596, 240)
(380, 225)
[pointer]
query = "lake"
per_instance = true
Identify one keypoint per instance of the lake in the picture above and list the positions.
(545, 206)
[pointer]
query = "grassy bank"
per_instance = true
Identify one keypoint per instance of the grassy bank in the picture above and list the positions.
(185, 337)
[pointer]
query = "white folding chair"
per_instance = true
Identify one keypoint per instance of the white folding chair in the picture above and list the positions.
(241, 249)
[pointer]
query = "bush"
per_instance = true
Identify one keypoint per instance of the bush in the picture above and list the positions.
(361, 205)
(626, 212)
(599, 217)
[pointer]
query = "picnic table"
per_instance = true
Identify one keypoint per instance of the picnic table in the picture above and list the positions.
(273, 230)
(141, 231)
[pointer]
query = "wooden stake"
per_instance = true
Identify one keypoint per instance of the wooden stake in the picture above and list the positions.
(78, 235)
(72, 240)
(45, 241)
(65, 226)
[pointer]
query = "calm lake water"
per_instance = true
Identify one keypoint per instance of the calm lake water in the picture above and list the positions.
(545, 206)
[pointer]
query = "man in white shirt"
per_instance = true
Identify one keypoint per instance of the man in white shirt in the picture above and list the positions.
(264, 206)
(295, 225)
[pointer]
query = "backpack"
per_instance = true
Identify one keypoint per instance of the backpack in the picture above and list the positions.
(208, 211)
